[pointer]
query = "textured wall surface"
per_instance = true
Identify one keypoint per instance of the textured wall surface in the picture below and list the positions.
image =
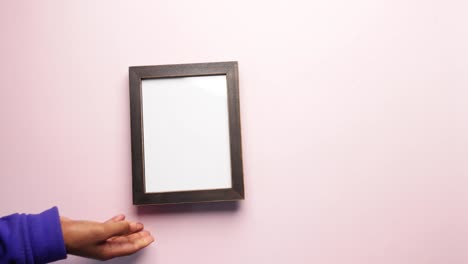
(355, 124)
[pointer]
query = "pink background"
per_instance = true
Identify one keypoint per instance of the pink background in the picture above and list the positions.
(354, 116)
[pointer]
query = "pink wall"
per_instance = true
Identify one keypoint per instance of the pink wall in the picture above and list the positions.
(354, 116)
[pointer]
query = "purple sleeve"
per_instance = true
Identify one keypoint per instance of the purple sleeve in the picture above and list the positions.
(31, 238)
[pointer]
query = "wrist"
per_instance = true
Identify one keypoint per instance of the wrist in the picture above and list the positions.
(64, 223)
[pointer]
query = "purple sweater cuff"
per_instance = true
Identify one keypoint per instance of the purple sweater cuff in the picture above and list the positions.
(45, 233)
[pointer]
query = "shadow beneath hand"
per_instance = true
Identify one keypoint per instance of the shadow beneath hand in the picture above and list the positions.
(228, 206)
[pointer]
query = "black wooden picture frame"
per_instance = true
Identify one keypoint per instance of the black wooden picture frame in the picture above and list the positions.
(137, 75)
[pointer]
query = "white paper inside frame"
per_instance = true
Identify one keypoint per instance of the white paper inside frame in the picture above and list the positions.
(186, 134)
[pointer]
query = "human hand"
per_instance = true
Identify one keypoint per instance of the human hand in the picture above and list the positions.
(113, 238)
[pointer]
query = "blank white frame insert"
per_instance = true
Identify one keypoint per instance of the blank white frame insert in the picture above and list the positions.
(186, 134)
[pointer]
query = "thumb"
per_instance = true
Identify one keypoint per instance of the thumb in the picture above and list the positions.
(117, 218)
(116, 229)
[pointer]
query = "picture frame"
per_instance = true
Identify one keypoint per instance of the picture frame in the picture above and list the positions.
(186, 133)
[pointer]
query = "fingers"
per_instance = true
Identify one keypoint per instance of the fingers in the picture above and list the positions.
(123, 246)
(130, 238)
(134, 226)
(111, 229)
(121, 228)
(139, 235)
